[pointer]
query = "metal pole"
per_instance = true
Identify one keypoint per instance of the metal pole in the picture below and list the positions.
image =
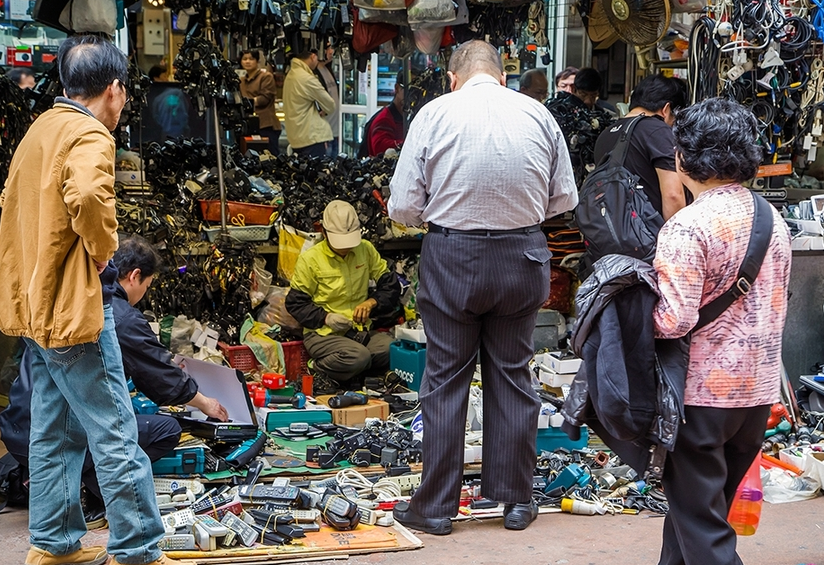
(220, 167)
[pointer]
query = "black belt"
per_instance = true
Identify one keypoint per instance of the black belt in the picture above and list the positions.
(446, 231)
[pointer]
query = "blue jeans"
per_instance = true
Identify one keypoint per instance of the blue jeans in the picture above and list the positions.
(80, 400)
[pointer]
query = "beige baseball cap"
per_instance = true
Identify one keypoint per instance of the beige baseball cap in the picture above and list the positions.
(343, 229)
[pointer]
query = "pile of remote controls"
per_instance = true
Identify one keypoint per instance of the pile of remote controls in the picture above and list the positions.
(255, 513)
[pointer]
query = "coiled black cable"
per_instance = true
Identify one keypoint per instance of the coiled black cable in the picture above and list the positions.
(703, 63)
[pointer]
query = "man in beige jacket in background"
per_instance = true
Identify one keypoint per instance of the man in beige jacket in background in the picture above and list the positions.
(304, 98)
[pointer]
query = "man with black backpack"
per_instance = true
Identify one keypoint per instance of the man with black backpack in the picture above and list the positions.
(634, 189)
(650, 154)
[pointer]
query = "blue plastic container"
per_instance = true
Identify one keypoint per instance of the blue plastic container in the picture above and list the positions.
(189, 461)
(408, 360)
(550, 439)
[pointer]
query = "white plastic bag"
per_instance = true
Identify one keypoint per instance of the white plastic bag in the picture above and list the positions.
(261, 281)
(783, 486)
(430, 12)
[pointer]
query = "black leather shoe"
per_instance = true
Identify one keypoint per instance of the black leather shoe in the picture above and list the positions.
(519, 516)
(404, 514)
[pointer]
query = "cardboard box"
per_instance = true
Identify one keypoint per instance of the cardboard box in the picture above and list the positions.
(553, 379)
(562, 366)
(356, 415)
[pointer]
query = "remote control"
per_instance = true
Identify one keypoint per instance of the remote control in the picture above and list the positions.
(266, 493)
(212, 526)
(168, 486)
(179, 519)
(243, 530)
(177, 542)
(312, 515)
(210, 502)
(298, 427)
(339, 505)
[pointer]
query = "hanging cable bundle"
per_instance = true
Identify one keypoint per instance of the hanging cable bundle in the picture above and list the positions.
(15, 119)
(207, 76)
(703, 64)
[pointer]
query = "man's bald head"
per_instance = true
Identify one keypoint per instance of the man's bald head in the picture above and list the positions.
(534, 83)
(473, 58)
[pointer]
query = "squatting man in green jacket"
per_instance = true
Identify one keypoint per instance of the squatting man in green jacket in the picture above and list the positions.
(331, 298)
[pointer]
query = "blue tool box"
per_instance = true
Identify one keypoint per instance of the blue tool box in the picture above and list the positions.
(550, 439)
(183, 461)
(408, 360)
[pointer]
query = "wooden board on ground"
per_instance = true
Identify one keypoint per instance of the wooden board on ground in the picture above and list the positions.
(326, 544)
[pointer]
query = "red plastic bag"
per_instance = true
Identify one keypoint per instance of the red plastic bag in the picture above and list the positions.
(745, 512)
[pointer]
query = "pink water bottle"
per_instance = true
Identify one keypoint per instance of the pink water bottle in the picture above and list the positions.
(746, 506)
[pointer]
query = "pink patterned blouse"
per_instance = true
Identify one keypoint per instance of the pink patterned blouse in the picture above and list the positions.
(735, 361)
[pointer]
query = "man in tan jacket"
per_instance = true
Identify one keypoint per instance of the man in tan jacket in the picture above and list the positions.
(304, 98)
(57, 235)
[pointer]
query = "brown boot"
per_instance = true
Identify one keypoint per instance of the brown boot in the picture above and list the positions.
(95, 555)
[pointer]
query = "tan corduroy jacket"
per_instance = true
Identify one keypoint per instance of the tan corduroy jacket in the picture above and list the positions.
(261, 87)
(301, 90)
(58, 218)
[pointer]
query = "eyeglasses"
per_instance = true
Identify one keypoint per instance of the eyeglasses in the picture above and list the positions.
(126, 91)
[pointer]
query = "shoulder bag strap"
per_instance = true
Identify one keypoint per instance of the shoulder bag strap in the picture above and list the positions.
(762, 228)
(619, 153)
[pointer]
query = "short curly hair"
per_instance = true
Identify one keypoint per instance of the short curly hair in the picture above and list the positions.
(717, 139)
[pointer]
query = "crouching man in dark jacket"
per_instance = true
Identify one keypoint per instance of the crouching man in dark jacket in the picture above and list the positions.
(145, 361)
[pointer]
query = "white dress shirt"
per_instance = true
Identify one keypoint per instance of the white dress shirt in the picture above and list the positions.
(483, 157)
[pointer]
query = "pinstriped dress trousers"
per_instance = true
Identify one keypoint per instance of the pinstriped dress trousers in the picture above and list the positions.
(479, 293)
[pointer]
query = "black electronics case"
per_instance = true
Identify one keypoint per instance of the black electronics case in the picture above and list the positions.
(228, 386)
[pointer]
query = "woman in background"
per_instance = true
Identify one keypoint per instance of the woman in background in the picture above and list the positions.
(259, 85)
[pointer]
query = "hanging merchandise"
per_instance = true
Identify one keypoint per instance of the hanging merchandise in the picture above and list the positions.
(206, 77)
(762, 55)
(421, 12)
(428, 39)
(15, 118)
(497, 23)
(427, 86)
(368, 37)
(138, 88)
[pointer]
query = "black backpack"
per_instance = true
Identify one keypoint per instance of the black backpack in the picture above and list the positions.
(613, 212)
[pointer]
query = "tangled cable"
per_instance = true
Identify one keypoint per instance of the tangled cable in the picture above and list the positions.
(16, 119)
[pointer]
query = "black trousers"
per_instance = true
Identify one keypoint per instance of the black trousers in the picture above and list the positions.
(714, 449)
(156, 436)
(273, 135)
(479, 293)
(315, 150)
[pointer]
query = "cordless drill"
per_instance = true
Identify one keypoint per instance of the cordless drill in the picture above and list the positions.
(348, 398)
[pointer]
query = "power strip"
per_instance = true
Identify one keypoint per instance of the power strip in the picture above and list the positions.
(405, 482)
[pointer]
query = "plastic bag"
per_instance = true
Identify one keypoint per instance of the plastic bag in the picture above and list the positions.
(783, 486)
(274, 313)
(261, 281)
(291, 242)
(461, 17)
(430, 12)
(380, 4)
(180, 340)
(267, 351)
(428, 39)
(394, 17)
